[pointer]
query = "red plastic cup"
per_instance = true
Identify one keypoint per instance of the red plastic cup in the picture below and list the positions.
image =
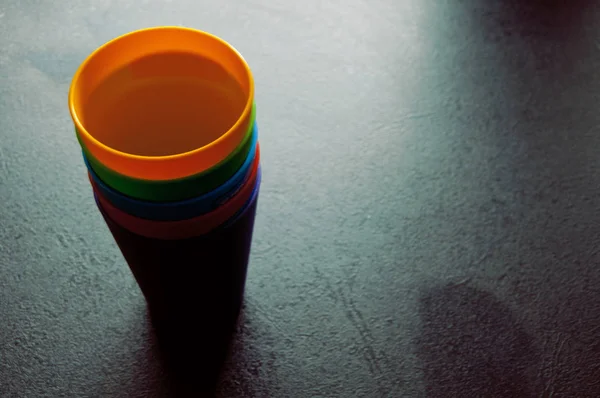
(194, 286)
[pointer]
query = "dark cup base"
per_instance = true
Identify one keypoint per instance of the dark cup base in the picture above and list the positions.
(194, 289)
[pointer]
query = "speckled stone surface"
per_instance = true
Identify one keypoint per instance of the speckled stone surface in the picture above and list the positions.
(429, 217)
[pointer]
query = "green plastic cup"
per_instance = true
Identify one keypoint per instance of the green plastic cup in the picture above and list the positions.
(177, 189)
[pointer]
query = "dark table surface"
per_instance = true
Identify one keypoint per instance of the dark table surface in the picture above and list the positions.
(428, 223)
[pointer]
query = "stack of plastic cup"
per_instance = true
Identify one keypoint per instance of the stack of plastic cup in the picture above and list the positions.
(167, 125)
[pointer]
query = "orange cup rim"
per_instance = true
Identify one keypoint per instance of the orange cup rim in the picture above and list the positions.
(95, 143)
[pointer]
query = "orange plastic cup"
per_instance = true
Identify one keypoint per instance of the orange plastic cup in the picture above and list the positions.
(172, 59)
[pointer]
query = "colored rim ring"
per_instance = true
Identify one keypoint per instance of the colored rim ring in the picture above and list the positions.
(174, 211)
(170, 230)
(229, 223)
(249, 203)
(174, 190)
(126, 48)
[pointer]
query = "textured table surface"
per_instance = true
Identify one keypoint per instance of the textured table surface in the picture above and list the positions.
(428, 224)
